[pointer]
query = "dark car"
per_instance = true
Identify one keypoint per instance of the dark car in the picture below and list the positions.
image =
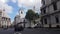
(19, 27)
(5, 27)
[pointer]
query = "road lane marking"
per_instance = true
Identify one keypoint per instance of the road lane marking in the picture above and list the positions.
(17, 33)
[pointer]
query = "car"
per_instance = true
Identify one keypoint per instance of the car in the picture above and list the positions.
(4, 27)
(38, 25)
(19, 27)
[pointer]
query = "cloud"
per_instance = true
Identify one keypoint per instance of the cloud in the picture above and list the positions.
(14, 1)
(8, 9)
(4, 5)
(30, 3)
(4, 1)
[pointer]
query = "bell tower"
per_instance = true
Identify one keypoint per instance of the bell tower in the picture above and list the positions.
(21, 12)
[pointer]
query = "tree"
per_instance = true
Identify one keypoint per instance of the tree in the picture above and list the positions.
(36, 16)
(31, 15)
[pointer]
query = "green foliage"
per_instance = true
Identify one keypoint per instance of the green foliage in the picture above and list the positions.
(31, 15)
(36, 15)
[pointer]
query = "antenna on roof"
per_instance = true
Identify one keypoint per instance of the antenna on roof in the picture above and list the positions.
(33, 7)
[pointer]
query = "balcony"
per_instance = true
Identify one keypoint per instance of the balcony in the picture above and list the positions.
(53, 1)
(44, 14)
(48, 13)
(43, 6)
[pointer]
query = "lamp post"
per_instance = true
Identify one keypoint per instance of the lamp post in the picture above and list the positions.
(24, 23)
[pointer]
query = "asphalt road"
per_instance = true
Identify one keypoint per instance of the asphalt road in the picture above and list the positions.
(30, 31)
(7, 31)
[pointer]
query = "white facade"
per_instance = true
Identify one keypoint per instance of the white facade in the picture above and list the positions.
(21, 18)
(18, 20)
(50, 12)
(4, 19)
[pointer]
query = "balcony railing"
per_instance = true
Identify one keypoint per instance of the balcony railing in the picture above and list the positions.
(53, 1)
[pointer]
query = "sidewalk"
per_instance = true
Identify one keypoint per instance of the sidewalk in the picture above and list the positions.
(1, 28)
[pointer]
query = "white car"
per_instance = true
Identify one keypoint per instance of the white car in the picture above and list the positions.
(36, 25)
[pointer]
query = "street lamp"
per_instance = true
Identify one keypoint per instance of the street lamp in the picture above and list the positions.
(24, 23)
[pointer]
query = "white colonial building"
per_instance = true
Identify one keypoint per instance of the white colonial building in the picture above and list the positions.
(21, 18)
(50, 12)
(5, 20)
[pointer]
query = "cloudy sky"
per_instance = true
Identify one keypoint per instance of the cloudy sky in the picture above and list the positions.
(12, 6)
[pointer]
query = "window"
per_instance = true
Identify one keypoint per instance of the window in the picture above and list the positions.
(6, 18)
(44, 11)
(57, 19)
(55, 6)
(43, 2)
(41, 11)
(0, 14)
(45, 20)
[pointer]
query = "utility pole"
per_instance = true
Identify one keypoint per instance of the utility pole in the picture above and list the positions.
(0, 18)
(24, 23)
